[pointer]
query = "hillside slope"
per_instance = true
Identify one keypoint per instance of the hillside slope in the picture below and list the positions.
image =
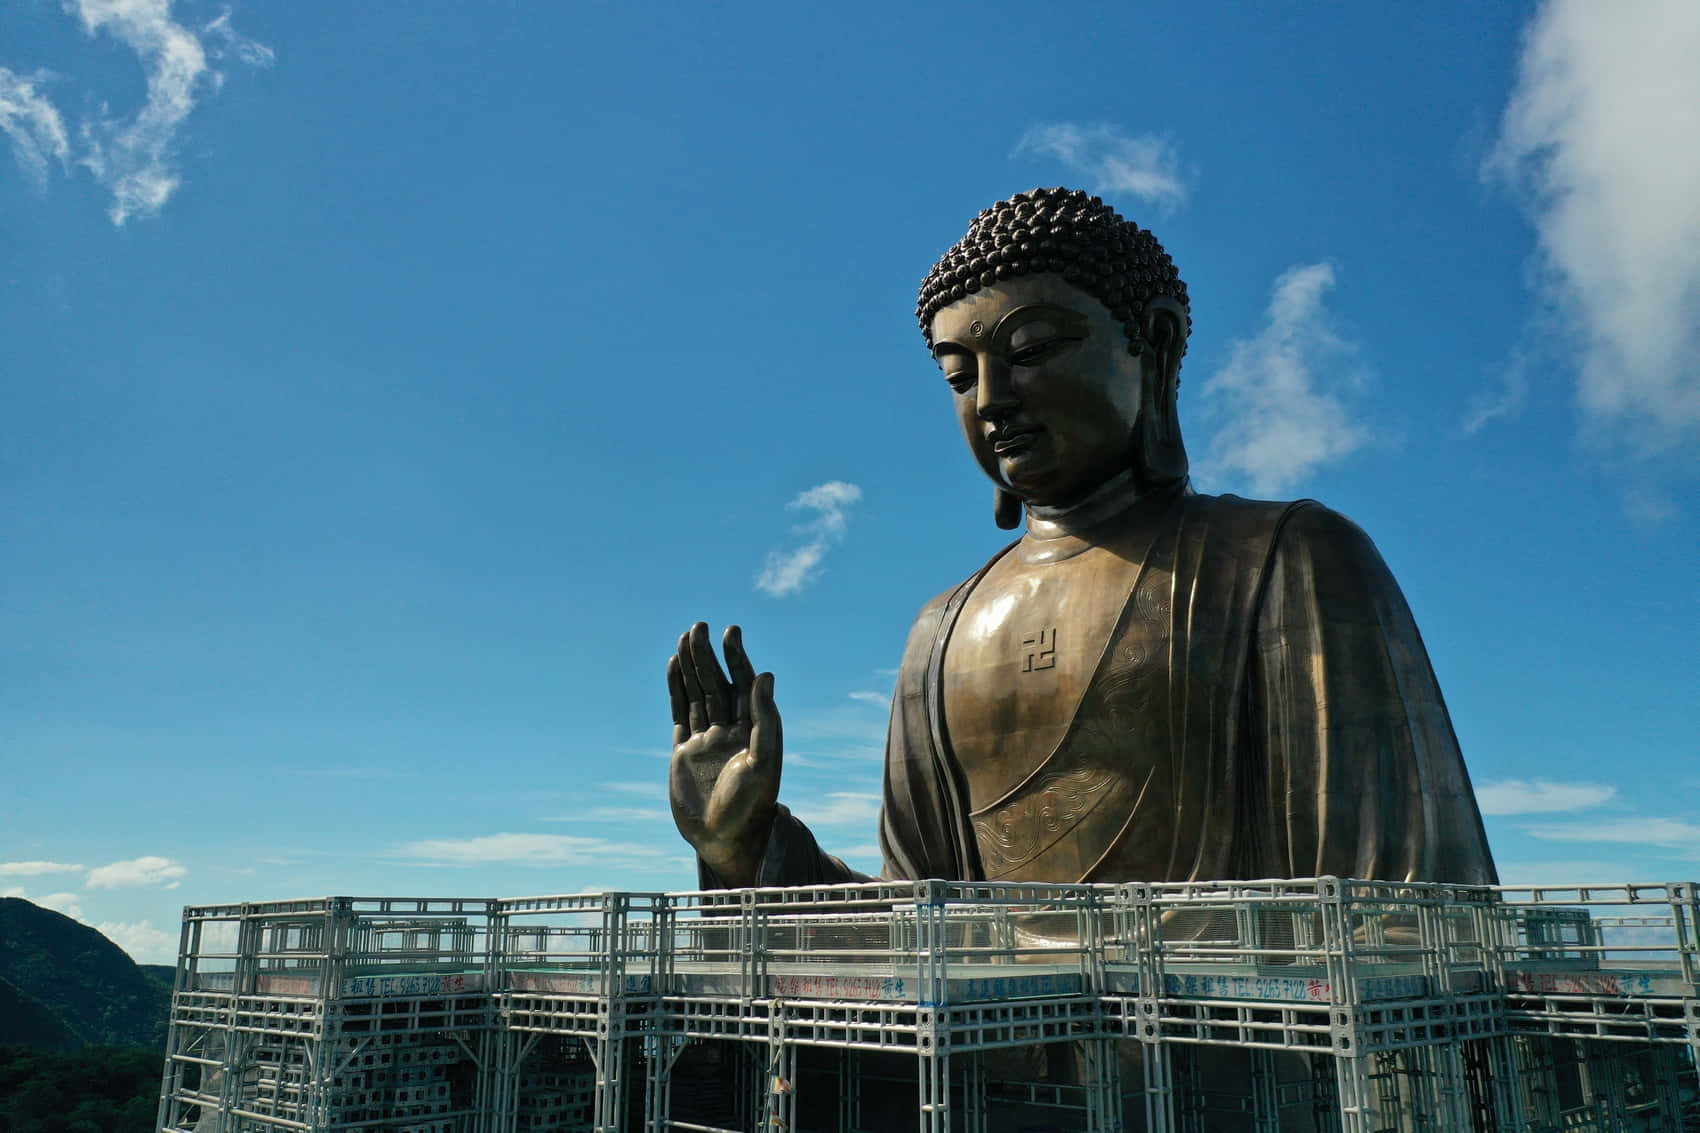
(25, 1019)
(64, 971)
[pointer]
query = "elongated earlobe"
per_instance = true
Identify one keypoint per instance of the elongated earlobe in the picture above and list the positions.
(1006, 509)
(1159, 456)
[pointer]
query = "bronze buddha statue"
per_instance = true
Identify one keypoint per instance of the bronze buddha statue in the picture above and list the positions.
(1150, 684)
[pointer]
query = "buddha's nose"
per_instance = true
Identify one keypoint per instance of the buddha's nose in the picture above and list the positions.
(994, 397)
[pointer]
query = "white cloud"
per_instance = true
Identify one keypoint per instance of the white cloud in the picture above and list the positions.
(529, 849)
(839, 808)
(1538, 796)
(1668, 833)
(31, 123)
(37, 869)
(67, 903)
(866, 696)
(145, 943)
(1598, 140)
(787, 572)
(137, 872)
(1144, 166)
(1277, 397)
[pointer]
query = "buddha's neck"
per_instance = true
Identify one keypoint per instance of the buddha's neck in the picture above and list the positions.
(1056, 533)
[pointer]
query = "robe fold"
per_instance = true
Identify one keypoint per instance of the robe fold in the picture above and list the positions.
(1280, 710)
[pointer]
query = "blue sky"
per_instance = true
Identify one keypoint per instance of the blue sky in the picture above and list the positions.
(386, 387)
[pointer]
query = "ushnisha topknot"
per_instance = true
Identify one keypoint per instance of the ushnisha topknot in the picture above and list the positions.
(1065, 231)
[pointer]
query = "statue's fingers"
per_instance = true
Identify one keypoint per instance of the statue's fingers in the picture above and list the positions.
(766, 736)
(716, 690)
(697, 716)
(681, 703)
(743, 673)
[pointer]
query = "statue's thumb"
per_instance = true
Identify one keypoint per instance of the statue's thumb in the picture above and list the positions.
(764, 720)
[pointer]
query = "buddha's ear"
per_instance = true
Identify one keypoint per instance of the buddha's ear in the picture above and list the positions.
(1159, 454)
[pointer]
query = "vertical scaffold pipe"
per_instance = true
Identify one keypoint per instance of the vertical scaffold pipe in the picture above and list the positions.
(974, 1109)
(779, 1087)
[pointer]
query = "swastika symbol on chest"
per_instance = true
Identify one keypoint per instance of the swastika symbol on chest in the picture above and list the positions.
(1039, 650)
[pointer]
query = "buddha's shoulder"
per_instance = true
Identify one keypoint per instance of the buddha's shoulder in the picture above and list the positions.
(1264, 525)
(927, 620)
(1252, 538)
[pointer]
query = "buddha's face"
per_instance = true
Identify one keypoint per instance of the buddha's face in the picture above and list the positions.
(1044, 385)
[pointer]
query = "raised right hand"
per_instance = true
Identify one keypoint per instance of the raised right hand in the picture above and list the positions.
(724, 779)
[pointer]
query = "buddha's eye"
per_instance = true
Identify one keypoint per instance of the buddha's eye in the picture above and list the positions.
(961, 380)
(1031, 352)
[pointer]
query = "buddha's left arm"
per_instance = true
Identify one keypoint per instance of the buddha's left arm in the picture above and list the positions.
(1353, 762)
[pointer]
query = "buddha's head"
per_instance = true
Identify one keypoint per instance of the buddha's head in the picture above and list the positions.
(1060, 328)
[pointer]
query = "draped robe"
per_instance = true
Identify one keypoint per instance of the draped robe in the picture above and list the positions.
(1268, 689)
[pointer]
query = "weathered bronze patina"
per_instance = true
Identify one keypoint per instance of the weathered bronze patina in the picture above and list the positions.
(1151, 684)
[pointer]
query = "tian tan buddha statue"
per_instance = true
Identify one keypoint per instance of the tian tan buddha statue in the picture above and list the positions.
(1150, 684)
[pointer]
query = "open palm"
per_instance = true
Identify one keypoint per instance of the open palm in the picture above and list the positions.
(724, 778)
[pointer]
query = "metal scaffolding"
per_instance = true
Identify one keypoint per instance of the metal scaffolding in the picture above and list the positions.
(1315, 1005)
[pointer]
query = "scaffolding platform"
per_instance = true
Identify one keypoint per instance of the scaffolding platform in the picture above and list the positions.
(1309, 1005)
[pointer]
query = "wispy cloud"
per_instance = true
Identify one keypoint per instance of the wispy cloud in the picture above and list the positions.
(1278, 400)
(617, 813)
(839, 808)
(533, 849)
(137, 872)
(225, 40)
(840, 732)
(787, 572)
(1597, 140)
(867, 853)
(1678, 834)
(1504, 395)
(1647, 506)
(32, 124)
(1111, 162)
(1539, 796)
(651, 752)
(868, 696)
(649, 788)
(1589, 871)
(133, 156)
(37, 868)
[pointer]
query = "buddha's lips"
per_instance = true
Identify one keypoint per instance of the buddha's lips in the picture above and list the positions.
(1013, 439)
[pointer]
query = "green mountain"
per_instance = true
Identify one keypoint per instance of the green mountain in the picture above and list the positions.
(64, 985)
(164, 973)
